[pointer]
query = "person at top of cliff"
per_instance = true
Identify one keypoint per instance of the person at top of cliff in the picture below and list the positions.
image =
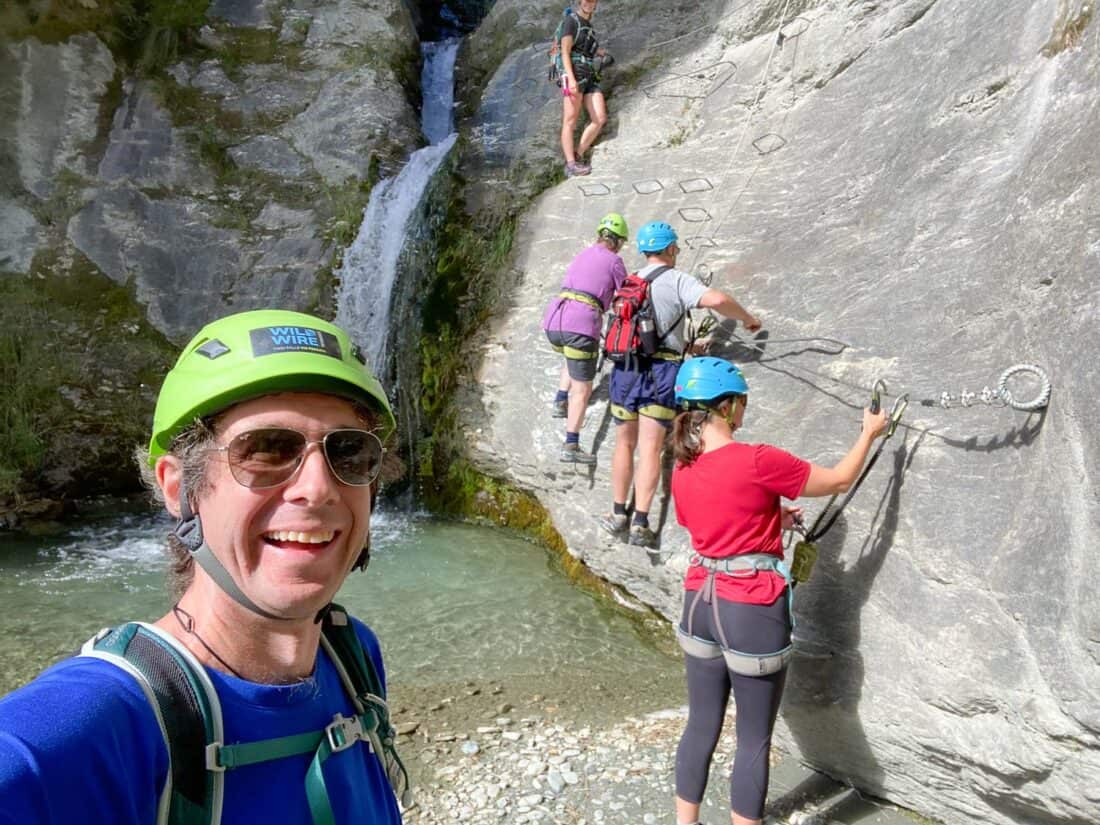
(572, 325)
(254, 699)
(736, 623)
(578, 60)
(642, 390)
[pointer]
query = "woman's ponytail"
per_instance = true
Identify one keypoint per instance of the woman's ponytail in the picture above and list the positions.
(687, 435)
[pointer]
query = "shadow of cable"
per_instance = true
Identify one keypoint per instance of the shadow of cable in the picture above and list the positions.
(1017, 437)
(821, 704)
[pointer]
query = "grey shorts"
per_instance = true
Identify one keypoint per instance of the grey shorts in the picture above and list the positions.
(581, 353)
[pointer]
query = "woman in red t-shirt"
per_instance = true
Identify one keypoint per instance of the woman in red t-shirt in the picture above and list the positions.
(736, 624)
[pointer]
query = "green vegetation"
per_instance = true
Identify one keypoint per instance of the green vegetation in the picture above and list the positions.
(67, 403)
(148, 34)
(345, 205)
(467, 287)
(21, 431)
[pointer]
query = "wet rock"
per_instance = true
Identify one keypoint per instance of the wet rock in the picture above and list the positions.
(19, 237)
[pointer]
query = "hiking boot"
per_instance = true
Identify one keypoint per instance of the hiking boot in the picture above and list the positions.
(576, 169)
(642, 536)
(614, 523)
(559, 409)
(573, 454)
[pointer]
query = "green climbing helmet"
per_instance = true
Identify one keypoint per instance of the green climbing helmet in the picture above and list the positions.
(614, 223)
(257, 353)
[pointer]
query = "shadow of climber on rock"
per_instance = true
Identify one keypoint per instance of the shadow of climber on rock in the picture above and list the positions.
(821, 704)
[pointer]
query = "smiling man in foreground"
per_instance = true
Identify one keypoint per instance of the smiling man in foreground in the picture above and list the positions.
(254, 699)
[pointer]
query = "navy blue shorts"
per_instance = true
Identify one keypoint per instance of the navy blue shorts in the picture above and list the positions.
(650, 392)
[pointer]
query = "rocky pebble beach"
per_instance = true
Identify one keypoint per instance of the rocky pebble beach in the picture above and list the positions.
(519, 768)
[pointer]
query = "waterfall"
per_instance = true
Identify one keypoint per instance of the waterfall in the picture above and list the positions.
(370, 265)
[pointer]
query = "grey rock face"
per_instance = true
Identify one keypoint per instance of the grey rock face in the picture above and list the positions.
(49, 105)
(250, 13)
(265, 91)
(518, 112)
(369, 115)
(18, 238)
(354, 24)
(269, 154)
(144, 147)
(178, 262)
(908, 181)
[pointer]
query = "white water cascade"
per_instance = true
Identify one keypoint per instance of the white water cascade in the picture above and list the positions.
(370, 264)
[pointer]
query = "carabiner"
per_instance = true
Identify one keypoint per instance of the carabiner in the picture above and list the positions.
(900, 405)
(876, 395)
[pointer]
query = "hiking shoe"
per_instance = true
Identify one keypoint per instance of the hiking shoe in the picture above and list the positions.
(573, 454)
(576, 169)
(614, 523)
(559, 409)
(642, 536)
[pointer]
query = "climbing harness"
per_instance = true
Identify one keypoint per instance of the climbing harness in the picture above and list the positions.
(1003, 395)
(583, 297)
(805, 551)
(189, 714)
(740, 566)
(582, 55)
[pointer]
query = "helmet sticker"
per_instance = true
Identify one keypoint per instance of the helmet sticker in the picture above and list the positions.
(275, 340)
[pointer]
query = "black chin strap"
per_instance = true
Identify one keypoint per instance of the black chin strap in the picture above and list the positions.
(189, 531)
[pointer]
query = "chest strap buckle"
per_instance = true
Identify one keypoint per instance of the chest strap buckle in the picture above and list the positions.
(343, 732)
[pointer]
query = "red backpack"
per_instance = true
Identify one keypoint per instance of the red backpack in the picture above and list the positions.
(632, 329)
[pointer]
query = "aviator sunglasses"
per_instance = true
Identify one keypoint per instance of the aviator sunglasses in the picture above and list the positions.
(270, 456)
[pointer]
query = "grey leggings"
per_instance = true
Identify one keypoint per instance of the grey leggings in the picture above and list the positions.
(750, 628)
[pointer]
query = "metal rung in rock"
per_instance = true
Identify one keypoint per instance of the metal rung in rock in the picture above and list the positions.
(696, 185)
(694, 214)
(794, 28)
(693, 85)
(647, 187)
(768, 143)
(700, 242)
(591, 190)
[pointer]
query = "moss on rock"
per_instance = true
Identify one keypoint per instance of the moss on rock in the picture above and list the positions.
(80, 378)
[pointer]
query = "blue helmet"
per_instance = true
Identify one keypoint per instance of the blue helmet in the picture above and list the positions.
(703, 382)
(655, 236)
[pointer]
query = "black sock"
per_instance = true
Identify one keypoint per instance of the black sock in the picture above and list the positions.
(619, 509)
(572, 438)
(641, 519)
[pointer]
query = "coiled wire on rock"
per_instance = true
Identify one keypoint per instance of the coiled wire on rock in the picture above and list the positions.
(1039, 401)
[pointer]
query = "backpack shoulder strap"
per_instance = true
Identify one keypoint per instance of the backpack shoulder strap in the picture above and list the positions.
(657, 273)
(338, 631)
(186, 705)
(364, 685)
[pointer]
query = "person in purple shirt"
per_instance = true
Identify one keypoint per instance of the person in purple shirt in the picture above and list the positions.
(267, 447)
(572, 324)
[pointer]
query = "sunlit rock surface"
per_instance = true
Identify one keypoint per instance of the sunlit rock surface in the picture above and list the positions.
(910, 191)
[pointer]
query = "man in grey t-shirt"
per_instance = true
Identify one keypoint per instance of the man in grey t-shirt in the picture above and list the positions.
(643, 393)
